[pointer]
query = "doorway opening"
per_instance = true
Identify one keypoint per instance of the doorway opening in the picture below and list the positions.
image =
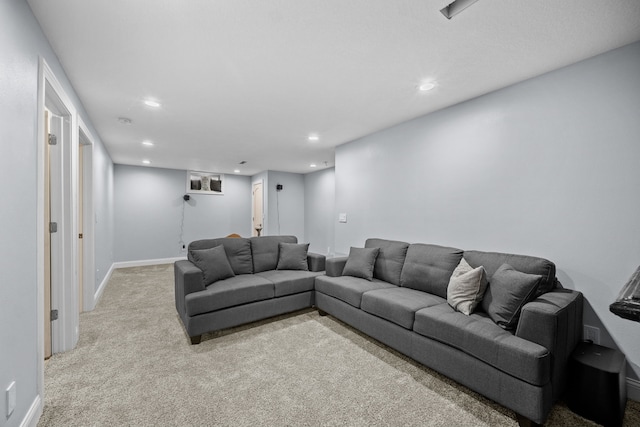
(57, 183)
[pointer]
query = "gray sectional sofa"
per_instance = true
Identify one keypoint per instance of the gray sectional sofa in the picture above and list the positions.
(509, 339)
(251, 279)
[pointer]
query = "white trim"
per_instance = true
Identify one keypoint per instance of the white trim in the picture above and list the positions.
(103, 285)
(33, 414)
(633, 389)
(144, 262)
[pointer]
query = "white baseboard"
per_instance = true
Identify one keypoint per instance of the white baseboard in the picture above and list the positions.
(34, 414)
(633, 389)
(102, 286)
(144, 262)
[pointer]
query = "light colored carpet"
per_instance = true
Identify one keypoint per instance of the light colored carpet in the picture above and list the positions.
(134, 366)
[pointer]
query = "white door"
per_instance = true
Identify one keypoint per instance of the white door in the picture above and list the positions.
(258, 214)
(53, 227)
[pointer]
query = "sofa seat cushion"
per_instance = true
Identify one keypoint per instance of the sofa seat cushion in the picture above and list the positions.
(478, 336)
(347, 288)
(289, 282)
(237, 290)
(398, 305)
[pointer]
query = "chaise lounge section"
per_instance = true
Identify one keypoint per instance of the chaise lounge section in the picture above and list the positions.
(521, 366)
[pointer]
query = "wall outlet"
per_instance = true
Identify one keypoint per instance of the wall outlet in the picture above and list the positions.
(342, 217)
(591, 333)
(11, 398)
(183, 247)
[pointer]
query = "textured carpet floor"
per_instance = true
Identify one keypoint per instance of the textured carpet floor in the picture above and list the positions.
(134, 366)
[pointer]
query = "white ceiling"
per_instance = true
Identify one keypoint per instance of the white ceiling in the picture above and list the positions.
(250, 80)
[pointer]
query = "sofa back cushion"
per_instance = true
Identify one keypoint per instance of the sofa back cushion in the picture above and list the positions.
(428, 268)
(265, 251)
(491, 261)
(390, 259)
(238, 252)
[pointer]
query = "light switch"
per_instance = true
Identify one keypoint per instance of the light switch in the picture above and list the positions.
(342, 217)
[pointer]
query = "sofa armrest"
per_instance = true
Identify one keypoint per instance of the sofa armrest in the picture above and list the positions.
(554, 320)
(188, 279)
(335, 266)
(316, 262)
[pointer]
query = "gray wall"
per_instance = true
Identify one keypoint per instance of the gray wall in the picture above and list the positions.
(21, 45)
(319, 210)
(285, 209)
(548, 167)
(149, 205)
(103, 198)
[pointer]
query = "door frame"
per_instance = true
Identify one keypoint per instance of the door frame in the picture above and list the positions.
(64, 294)
(87, 141)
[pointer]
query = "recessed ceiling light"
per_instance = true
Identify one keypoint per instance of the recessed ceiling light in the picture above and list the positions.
(151, 103)
(236, 170)
(147, 143)
(312, 165)
(124, 121)
(424, 87)
(313, 138)
(146, 162)
(456, 7)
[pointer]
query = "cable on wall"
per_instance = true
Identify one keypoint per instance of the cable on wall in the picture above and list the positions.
(279, 188)
(181, 244)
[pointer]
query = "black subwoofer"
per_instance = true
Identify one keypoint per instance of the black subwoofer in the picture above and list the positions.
(597, 387)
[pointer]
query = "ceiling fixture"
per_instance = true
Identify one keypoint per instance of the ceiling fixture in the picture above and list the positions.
(456, 7)
(151, 103)
(236, 171)
(146, 162)
(124, 121)
(313, 138)
(147, 143)
(425, 87)
(312, 165)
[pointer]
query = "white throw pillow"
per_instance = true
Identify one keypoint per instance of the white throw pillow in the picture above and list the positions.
(466, 287)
